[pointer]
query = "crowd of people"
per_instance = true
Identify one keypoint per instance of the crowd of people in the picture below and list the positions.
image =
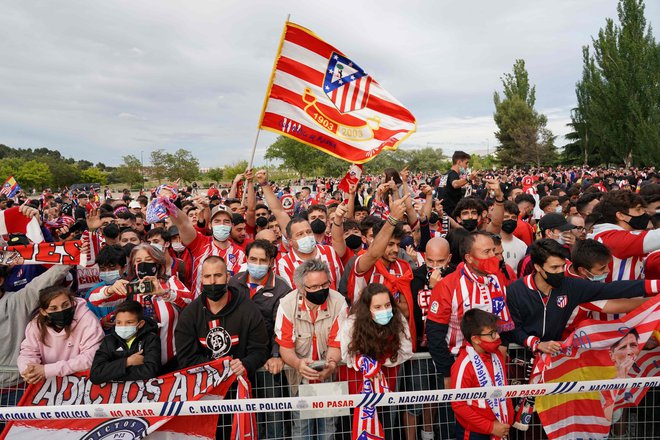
(336, 284)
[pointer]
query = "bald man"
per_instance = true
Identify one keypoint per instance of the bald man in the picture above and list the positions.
(436, 257)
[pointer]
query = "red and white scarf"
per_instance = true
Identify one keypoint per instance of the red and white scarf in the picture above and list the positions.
(488, 294)
(244, 425)
(365, 418)
(498, 405)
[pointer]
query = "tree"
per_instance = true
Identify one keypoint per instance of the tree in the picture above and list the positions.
(520, 126)
(34, 174)
(296, 156)
(215, 174)
(182, 164)
(159, 164)
(618, 112)
(130, 171)
(231, 171)
(94, 175)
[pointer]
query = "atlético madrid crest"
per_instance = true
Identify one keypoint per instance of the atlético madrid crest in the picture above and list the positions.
(346, 84)
(562, 301)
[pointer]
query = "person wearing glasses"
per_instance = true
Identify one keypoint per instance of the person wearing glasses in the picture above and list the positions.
(580, 231)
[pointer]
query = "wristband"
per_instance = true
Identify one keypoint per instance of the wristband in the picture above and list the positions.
(339, 226)
(391, 220)
(499, 201)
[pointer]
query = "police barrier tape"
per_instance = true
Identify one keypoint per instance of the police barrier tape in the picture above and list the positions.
(146, 409)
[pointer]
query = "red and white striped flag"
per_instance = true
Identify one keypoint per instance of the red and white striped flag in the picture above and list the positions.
(320, 97)
(13, 222)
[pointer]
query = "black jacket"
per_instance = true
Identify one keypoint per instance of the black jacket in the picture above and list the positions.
(238, 330)
(110, 359)
(267, 299)
(421, 295)
(547, 322)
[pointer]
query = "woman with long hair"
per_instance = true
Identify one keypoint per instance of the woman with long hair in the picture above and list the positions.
(61, 338)
(374, 339)
(161, 297)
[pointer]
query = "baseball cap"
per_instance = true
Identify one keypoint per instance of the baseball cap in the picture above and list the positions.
(135, 204)
(555, 221)
(220, 208)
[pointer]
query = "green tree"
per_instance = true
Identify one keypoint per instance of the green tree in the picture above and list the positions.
(94, 175)
(159, 164)
(618, 112)
(520, 126)
(231, 171)
(130, 171)
(296, 156)
(182, 164)
(215, 174)
(34, 174)
(9, 166)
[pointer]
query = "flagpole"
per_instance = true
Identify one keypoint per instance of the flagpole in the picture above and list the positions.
(270, 85)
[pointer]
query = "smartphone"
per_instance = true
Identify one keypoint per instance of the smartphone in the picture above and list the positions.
(140, 287)
(317, 365)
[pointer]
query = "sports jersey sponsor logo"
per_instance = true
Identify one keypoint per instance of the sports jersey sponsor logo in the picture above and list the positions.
(562, 301)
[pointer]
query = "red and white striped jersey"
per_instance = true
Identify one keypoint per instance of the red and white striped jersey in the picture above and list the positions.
(461, 291)
(202, 247)
(288, 263)
(627, 249)
(166, 310)
(357, 282)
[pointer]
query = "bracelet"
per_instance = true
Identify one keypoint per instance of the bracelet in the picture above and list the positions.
(391, 220)
(339, 226)
(499, 201)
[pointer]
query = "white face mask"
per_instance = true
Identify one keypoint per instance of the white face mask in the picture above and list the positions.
(306, 244)
(178, 246)
(157, 246)
(559, 209)
(126, 332)
(221, 232)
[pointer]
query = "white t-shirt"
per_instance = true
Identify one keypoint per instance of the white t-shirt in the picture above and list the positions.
(514, 251)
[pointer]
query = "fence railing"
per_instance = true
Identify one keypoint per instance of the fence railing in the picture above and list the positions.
(404, 421)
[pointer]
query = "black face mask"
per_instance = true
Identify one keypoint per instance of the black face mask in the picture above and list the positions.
(62, 318)
(146, 270)
(261, 222)
(433, 218)
(128, 248)
(214, 292)
(318, 297)
(509, 226)
(554, 279)
(639, 222)
(470, 224)
(353, 241)
(443, 271)
(318, 226)
(406, 241)
(111, 231)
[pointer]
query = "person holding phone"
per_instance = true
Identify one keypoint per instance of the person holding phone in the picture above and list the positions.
(161, 297)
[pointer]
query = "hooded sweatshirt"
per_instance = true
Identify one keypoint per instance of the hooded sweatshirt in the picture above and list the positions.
(62, 355)
(15, 310)
(238, 330)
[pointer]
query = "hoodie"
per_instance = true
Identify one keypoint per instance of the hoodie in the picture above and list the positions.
(110, 359)
(238, 330)
(62, 355)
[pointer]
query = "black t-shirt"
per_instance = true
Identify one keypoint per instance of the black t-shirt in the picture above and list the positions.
(451, 195)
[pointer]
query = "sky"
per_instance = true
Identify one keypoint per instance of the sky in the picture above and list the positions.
(97, 80)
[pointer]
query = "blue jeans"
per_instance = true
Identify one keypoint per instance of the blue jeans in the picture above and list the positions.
(312, 429)
(10, 398)
(271, 424)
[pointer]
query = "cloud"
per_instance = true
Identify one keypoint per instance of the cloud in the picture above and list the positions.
(98, 80)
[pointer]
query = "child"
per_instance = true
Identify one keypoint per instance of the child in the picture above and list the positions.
(131, 351)
(485, 418)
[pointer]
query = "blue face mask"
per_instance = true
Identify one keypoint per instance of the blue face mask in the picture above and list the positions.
(257, 271)
(221, 232)
(597, 278)
(306, 244)
(383, 317)
(109, 277)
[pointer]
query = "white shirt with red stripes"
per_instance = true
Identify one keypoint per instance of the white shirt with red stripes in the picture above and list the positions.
(166, 310)
(357, 281)
(204, 246)
(287, 264)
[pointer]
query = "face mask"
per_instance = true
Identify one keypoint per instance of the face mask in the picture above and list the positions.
(353, 241)
(491, 346)
(126, 332)
(407, 241)
(221, 232)
(430, 270)
(509, 226)
(109, 277)
(554, 279)
(128, 248)
(157, 246)
(489, 265)
(62, 318)
(462, 170)
(318, 297)
(318, 226)
(470, 224)
(383, 317)
(597, 278)
(214, 292)
(178, 246)
(639, 222)
(306, 244)
(261, 222)
(560, 239)
(559, 209)
(146, 270)
(257, 271)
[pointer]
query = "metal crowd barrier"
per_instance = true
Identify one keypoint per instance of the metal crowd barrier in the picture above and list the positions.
(404, 422)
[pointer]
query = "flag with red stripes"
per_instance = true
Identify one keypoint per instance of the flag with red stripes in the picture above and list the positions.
(244, 425)
(625, 347)
(320, 97)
